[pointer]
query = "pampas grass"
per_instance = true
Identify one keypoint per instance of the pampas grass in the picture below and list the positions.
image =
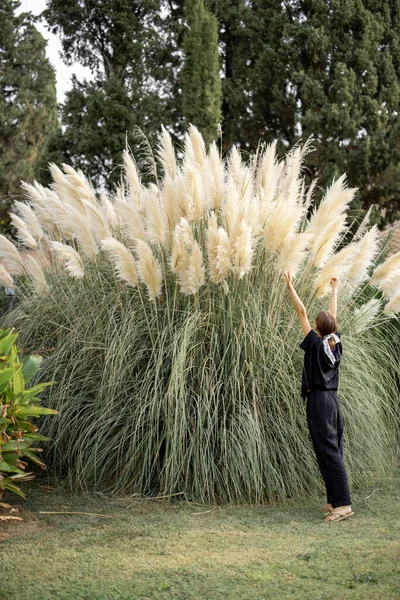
(176, 345)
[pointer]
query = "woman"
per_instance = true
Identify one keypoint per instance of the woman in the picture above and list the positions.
(323, 351)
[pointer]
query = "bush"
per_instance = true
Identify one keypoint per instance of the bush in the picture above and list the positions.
(18, 405)
(177, 361)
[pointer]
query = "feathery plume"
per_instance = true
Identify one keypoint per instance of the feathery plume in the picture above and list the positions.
(149, 269)
(390, 287)
(366, 250)
(223, 263)
(215, 177)
(10, 257)
(242, 249)
(338, 266)
(97, 219)
(5, 277)
(195, 149)
(193, 277)
(30, 219)
(70, 258)
(107, 208)
(293, 252)
(387, 270)
(212, 247)
(231, 206)
(132, 179)
(131, 223)
(362, 229)
(266, 172)
(365, 314)
(328, 221)
(393, 306)
(183, 241)
(122, 260)
(166, 153)
(194, 205)
(173, 194)
(35, 271)
(23, 233)
(156, 221)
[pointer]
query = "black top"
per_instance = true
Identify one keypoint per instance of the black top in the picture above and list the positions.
(318, 371)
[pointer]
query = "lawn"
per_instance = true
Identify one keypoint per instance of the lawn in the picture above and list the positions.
(148, 549)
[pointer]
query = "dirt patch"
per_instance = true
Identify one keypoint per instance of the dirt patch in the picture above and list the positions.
(11, 527)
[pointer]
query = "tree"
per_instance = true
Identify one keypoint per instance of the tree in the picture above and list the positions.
(131, 49)
(201, 83)
(28, 107)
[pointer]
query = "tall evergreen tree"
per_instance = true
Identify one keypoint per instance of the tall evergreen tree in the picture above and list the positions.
(201, 82)
(28, 107)
(131, 49)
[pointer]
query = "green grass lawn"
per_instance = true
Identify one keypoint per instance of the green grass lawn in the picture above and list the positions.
(147, 549)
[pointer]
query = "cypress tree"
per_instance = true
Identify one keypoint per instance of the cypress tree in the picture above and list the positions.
(201, 83)
(28, 106)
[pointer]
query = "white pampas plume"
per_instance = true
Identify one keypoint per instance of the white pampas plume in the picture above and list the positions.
(69, 194)
(215, 177)
(70, 258)
(366, 250)
(130, 220)
(393, 306)
(242, 249)
(23, 233)
(231, 206)
(195, 149)
(338, 266)
(387, 270)
(293, 253)
(149, 269)
(166, 153)
(83, 233)
(30, 219)
(390, 287)
(42, 199)
(282, 224)
(194, 204)
(365, 314)
(183, 241)
(266, 177)
(10, 257)
(173, 194)
(35, 271)
(79, 185)
(108, 210)
(156, 221)
(223, 263)
(193, 277)
(132, 179)
(237, 170)
(5, 277)
(122, 260)
(362, 229)
(212, 247)
(328, 221)
(310, 193)
(98, 220)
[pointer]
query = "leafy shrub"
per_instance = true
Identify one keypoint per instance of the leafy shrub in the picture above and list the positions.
(18, 405)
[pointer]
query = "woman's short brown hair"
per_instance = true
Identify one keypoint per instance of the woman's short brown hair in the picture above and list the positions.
(325, 323)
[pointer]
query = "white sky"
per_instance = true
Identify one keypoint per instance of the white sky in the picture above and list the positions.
(53, 49)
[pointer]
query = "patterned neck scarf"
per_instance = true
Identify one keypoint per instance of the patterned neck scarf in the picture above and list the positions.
(327, 349)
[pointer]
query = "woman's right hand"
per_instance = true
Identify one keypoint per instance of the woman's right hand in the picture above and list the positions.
(334, 282)
(288, 279)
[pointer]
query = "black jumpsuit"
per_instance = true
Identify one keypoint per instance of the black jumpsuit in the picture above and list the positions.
(324, 417)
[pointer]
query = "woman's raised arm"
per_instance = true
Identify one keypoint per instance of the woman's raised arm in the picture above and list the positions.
(298, 305)
(333, 303)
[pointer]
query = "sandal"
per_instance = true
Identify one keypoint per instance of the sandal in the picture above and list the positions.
(337, 517)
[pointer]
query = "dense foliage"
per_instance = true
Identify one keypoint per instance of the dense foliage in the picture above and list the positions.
(176, 346)
(28, 110)
(18, 405)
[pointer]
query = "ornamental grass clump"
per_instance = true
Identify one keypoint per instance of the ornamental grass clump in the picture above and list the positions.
(176, 348)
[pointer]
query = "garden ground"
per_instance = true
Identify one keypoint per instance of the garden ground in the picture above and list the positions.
(129, 549)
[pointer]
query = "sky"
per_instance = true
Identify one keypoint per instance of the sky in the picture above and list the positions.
(53, 49)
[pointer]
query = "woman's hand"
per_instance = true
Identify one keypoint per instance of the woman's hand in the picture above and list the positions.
(334, 283)
(288, 279)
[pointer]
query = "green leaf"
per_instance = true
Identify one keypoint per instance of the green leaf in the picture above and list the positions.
(36, 389)
(33, 411)
(5, 377)
(6, 468)
(35, 437)
(12, 488)
(18, 383)
(30, 366)
(14, 445)
(6, 343)
(3, 420)
(31, 454)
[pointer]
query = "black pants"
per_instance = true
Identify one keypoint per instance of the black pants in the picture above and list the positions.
(325, 424)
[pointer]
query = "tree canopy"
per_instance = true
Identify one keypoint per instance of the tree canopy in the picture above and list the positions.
(28, 107)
